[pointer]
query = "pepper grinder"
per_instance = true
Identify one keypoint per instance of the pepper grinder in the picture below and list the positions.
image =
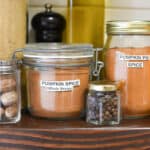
(48, 25)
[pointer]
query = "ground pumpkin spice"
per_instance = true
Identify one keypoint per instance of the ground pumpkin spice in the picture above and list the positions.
(57, 104)
(135, 80)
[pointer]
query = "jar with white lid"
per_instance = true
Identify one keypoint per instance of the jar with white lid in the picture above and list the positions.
(10, 101)
(57, 77)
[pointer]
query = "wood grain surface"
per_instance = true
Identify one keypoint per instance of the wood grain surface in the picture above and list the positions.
(40, 134)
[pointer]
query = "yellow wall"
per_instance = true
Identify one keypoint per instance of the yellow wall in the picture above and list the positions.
(86, 22)
(88, 2)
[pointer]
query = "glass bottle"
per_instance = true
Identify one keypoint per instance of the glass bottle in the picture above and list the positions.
(127, 60)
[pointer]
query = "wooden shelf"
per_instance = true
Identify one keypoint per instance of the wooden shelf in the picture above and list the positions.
(40, 134)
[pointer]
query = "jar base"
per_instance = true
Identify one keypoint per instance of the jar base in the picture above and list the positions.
(104, 123)
(136, 117)
(56, 115)
(12, 121)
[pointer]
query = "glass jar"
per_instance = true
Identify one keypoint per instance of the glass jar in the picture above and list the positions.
(103, 103)
(9, 92)
(127, 59)
(57, 77)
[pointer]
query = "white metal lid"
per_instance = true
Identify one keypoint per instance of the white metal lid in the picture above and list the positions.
(128, 27)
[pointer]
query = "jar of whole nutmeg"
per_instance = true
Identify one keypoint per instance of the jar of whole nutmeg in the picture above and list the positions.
(9, 92)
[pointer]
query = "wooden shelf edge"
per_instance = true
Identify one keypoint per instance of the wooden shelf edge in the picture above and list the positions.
(39, 134)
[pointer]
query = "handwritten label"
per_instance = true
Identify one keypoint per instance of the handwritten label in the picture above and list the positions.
(135, 64)
(134, 57)
(134, 61)
(59, 86)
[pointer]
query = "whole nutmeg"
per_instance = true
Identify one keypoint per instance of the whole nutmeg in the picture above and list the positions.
(11, 111)
(7, 84)
(9, 98)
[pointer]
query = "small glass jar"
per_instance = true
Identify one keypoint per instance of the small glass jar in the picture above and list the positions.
(9, 92)
(103, 103)
(57, 77)
(127, 59)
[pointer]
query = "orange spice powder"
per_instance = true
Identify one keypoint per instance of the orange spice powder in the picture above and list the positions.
(131, 66)
(57, 104)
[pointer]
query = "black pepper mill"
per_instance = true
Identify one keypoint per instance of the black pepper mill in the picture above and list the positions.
(48, 25)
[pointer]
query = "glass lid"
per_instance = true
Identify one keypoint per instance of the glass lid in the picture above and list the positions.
(57, 50)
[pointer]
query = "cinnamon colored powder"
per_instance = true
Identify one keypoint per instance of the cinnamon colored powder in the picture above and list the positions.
(135, 79)
(57, 104)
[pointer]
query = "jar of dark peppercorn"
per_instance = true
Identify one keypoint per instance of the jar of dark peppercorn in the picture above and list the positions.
(103, 103)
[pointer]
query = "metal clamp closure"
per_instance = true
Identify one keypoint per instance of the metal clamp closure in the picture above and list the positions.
(14, 57)
(98, 64)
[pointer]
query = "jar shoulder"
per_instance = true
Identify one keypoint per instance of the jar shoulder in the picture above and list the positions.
(127, 41)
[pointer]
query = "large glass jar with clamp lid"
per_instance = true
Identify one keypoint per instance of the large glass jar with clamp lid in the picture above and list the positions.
(57, 78)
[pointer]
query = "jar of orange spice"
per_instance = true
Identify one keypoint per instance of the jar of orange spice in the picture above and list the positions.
(127, 59)
(57, 78)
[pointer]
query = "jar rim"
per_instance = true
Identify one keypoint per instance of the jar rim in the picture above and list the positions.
(128, 27)
(7, 65)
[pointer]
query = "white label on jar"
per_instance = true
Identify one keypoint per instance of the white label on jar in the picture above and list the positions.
(135, 64)
(134, 57)
(56, 86)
